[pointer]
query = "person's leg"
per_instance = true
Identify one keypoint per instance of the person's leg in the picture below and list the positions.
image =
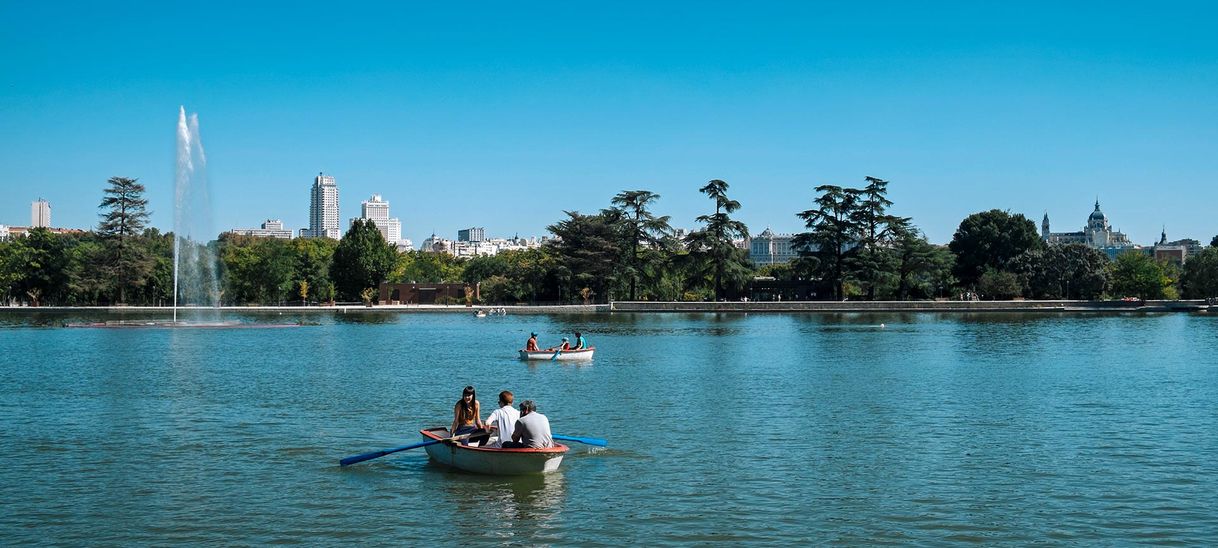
(462, 430)
(512, 445)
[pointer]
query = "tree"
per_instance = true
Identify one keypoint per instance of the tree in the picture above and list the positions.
(1214, 242)
(257, 270)
(1062, 271)
(876, 232)
(43, 263)
(589, 252)
(990, 239)
(124, 217)
(1136, 274)
(363, 259)
(427, 267)
(313, 259)
(1200, 277)
(923, 270)
(714, 243)
(995, 284)
(833, 236)
(644, 228)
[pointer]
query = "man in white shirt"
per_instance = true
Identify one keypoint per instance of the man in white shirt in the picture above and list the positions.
(503, 419)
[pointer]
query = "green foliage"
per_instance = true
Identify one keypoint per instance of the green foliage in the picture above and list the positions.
(257, 270)
(1069, 271)
(1136, 274)
(426, 267)
(1200, 276)
(923, 270)
(995, 284)
(313, 259)
(43, 265)
(990, 240)
(832, 240)
(589, 253)
(643, 228)
(362, 259)
(124, 215)
(1214, 242)
(874, 263)
(713, 247)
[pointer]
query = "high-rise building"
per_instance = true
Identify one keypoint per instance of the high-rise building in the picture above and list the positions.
(323, 209)
(472, 234)
(40, 214)
(376, 209)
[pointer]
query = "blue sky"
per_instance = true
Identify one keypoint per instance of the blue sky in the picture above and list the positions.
(503, 115)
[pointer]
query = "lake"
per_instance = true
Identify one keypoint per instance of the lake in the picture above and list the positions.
(933, 428)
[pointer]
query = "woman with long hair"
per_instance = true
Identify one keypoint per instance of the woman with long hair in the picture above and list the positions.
(467, 415)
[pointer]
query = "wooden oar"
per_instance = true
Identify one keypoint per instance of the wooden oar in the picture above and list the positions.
(377, 454)
(590, 441)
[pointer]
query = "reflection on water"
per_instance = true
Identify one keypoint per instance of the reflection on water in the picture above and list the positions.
(517, 508)
(365, 317)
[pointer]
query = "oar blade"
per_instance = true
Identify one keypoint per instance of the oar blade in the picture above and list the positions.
(589, 441)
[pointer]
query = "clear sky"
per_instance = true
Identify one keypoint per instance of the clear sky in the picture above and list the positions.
(503, 114)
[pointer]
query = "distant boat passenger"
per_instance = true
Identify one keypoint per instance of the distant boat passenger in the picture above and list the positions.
(566, 345)
(531, 346)
(580, 344)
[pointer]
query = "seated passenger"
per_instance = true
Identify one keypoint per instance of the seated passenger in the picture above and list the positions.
(579, 342)
(503, 420)
(564, 346)
(532, 429)
(466, 418)
(531, 346)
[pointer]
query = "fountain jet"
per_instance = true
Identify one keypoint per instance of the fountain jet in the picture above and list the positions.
(195, 280)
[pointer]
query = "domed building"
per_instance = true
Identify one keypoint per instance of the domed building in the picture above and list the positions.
(1097, 234)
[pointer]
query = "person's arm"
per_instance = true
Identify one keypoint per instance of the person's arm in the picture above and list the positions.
(517, 432)
(478, 416)
(492, 423)
(456, 418)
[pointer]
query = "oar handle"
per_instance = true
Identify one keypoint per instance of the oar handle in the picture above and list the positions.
(377, 454)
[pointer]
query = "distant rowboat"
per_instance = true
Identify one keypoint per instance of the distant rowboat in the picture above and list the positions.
(563, 355)
(492, 460)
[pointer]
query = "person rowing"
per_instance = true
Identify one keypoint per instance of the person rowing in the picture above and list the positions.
(566, 345)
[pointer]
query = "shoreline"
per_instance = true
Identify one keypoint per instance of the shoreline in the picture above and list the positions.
(651, 307)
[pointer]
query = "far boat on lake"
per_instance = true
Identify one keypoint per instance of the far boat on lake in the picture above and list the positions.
(558, 355)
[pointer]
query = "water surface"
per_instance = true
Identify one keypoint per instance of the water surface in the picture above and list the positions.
(743, 428)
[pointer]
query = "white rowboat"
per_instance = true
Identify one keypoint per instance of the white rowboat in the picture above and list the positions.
(563, 355)
(492, 460)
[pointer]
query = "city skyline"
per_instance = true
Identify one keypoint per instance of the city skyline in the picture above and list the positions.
(533, 110)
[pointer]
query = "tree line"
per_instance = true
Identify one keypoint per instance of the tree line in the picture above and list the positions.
(853, 247)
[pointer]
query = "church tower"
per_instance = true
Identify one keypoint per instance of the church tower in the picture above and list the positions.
(1044, 228)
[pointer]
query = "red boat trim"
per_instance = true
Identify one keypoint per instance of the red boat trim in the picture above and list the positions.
(558, 447)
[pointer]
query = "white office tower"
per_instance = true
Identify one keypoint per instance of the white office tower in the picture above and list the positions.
(323, 209)
(40, 214)
(376, 209)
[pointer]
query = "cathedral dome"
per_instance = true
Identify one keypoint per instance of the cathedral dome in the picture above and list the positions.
(1097, 215)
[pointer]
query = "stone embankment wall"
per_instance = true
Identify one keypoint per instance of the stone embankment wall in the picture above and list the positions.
(910, 306)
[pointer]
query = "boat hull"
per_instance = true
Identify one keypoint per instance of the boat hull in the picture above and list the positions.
(564, 356)
(492, 461)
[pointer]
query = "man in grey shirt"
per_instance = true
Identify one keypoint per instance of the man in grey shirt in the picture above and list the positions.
(532, 429)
